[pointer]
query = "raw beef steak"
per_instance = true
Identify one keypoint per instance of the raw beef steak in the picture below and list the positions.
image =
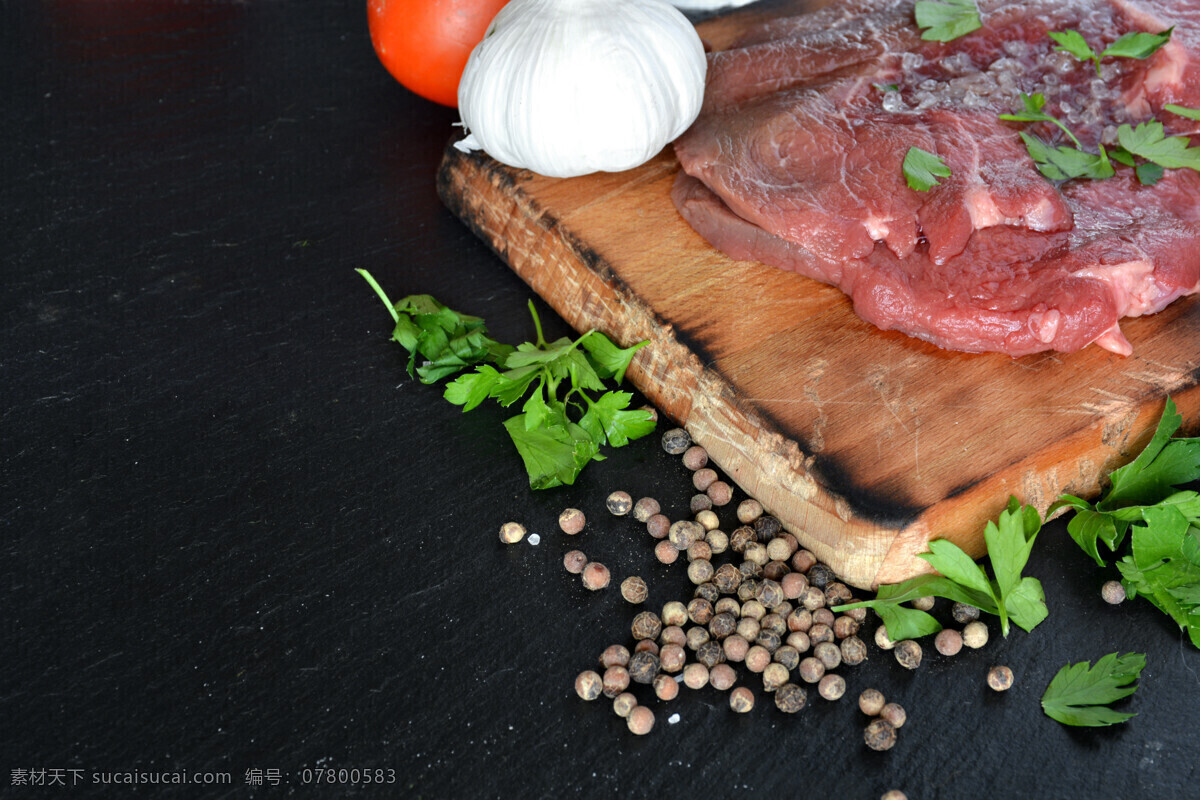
(796, 160)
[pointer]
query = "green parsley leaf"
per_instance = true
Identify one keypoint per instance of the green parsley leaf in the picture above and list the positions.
(1148, 174)
(1163, 464)
(1064, 163)
(886, 87)
(611, 361)
(922, 169)
(1032, 112)
(1138, 45)
(944, 21)
(1183, 111)
(1073, 42)
(1079, 694)
(1148, 141)
(553, 455)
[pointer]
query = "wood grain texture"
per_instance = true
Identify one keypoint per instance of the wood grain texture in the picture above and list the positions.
(865, 443)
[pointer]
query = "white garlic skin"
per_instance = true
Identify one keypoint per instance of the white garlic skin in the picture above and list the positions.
(571, 87)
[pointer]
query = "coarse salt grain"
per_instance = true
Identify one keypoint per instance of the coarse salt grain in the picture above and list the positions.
(673, 719)
(534, 539)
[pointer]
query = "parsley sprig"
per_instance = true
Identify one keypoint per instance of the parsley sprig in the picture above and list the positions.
(1059, 163)
(1080, 693)
(944, 21)
(568, 414)
(1009, 595)
(1162, 522)
(922, 169)
(1137, 45)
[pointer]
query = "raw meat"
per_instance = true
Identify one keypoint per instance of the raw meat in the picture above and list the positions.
(796, 158)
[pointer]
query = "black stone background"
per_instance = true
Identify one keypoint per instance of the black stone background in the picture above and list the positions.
(237, 536)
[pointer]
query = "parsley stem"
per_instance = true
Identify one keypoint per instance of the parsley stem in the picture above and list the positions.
(382, 294)
(537, 324)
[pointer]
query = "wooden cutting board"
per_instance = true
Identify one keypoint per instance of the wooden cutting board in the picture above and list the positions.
(865, 443)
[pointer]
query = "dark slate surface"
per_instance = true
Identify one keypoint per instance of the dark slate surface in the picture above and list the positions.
(238, 537)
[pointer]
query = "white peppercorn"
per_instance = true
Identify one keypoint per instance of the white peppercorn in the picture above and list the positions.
(736, 647)
(619, 503)
(829, 654)
(616, 655)
(908, 654)
(924, 603)
(512, 532)
(674, 613)
(703, 478)
(722, 677)
(717, 540)
(658, 525)
(720, 493)
(671, 658)
(666, 687)
(832, 687)
(695, 676)
(894, 714)
(589, 684)
(1113, 592)
(811, 670)
(615, 680)
(748, 511)
(871, 702)
(882, 640)
(665, 552)
(741, 700)
(708, 520)
(624, 703)
(948, 642)
(975, 635)
(700, 502)
(774, 676)
(700, 571)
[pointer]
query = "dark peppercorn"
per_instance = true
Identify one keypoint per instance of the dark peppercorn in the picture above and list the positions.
(676, 441)
(726, 578)
(767, 527)
(747, 589)
(820, 575)
(722, 625)
(700, 611)
(700, 502)
(634, 590)
(837, 593)
(964, 613)
(769, 593)
(908, 653)
(706, 591)
(790, 698)
(776, 570)
(646, 625)
(854, 651)
(589, 685)
(643, 667)
(619, 503)
(741, 537)
(768, 640)
(710, 654)
(749, 569)
(879, 735)
(645, 508)
(774, 623)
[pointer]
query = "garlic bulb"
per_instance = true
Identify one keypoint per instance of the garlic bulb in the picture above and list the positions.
(570, 87)
(708, 5)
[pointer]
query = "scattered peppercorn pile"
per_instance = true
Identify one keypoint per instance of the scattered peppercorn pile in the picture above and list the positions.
(765, 608)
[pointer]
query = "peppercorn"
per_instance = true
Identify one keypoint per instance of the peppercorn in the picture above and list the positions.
(859, 615)
(697, 636)
(708, 520)
(703, 478)
(768, 640)
(975, 635)
(727, 578)
(769, 593)
(643, 667)
(615, 680)
(812, 598)
(624, 703)
(741, 537)
(722, 625)
(595, 576)
(828, 654)
(672, 634)
(619, 503)
(844, 626)
(676, 441)
(720, 492)
(706, 591)
(799, 640)
(882, 640)
(756, 552)
(658, 526)
(787, 655)
(923, 603)
(666, 687)
(728, 605)
(645, 508)
(695, 457)
(811, 669)
(948, 642)
(1000, 678)
(893, 714)
(757, 658)
(879, 735)
(640, 721)
(700, 571)
(717, 540)
(908, 653)
(646, 625)
(749, 569)
(674, 613)
(684, 533)
(671, 658)
(747, 588)
(767, 527)
(893, 794)
(776, 570)
(748, 628)
(779, 549)
(736, 647)
(871, 702)
(646, 645)
(741, 700)
(832, 687)
(854, 650)
(820, 575)
(700, 611)
(748, 511)
(700, 502)
(803, 561)
(710, 654)
(790, 698)
(695, 676)
(1113, 592)
(665, 552)
(774, 676)
(820, 632)
(774, 624)
(823, 616)
(512, 532)
(800, 620)
(722, 677)
(574, 561)
(571, 520)
(964, 613)
(616, 655)
(753, 609)
(635, 590)
(589, 684)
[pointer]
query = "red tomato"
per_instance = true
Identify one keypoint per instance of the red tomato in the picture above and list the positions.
(425, 43)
